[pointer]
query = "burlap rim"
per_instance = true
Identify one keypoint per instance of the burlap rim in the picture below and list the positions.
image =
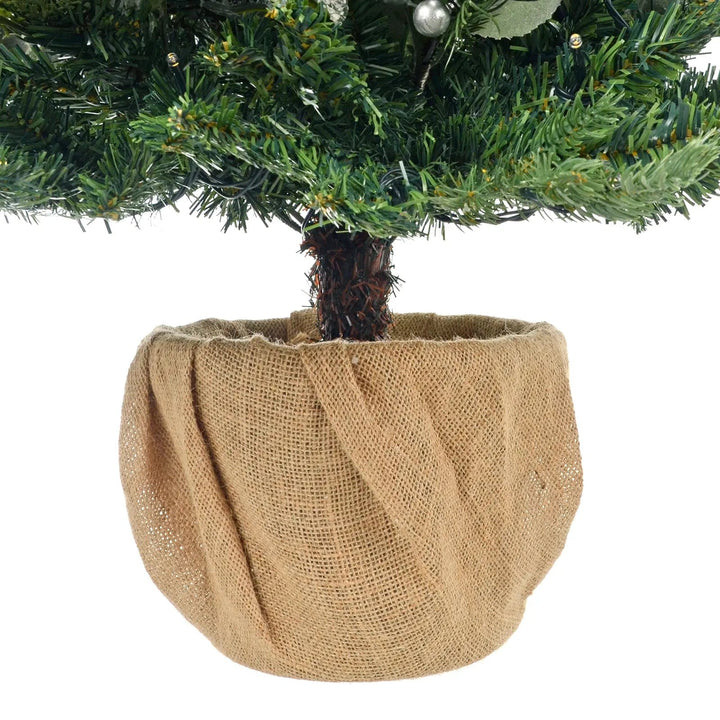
(300, 328)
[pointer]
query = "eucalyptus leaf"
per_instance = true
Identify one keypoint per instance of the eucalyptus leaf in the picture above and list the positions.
(518, 17)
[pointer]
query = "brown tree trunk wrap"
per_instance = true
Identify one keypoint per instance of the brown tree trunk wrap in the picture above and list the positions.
(350, 282)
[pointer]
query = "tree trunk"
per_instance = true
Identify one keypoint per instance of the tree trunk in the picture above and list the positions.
(350, 282)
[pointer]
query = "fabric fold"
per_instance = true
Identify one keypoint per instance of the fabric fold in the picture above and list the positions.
(392, 473)
(172, 377)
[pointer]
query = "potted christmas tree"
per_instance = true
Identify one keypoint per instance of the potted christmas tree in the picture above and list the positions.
(345, 494)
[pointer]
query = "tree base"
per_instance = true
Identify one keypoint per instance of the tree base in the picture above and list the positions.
(351, 511)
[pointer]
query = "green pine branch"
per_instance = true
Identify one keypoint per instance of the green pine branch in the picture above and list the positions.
(279, 112)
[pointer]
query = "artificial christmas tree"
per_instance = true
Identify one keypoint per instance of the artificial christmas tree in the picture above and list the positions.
(344, 494)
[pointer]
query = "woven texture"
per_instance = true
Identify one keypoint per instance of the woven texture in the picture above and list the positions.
(351, 510)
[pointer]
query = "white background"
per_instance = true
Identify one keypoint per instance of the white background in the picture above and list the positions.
(625, 625)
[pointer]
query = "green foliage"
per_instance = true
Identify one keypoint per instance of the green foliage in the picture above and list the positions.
(279, 111)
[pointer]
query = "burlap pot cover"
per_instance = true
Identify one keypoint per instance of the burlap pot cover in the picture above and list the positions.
(351, 510)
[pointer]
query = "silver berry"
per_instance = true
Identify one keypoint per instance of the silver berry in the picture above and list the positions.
(431, 18)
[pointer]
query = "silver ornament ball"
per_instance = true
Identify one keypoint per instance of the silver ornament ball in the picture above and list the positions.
(431, 18)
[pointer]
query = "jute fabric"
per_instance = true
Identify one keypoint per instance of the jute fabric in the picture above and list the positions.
(351, 510)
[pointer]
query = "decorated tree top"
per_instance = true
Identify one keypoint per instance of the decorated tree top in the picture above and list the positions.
(378, 119)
